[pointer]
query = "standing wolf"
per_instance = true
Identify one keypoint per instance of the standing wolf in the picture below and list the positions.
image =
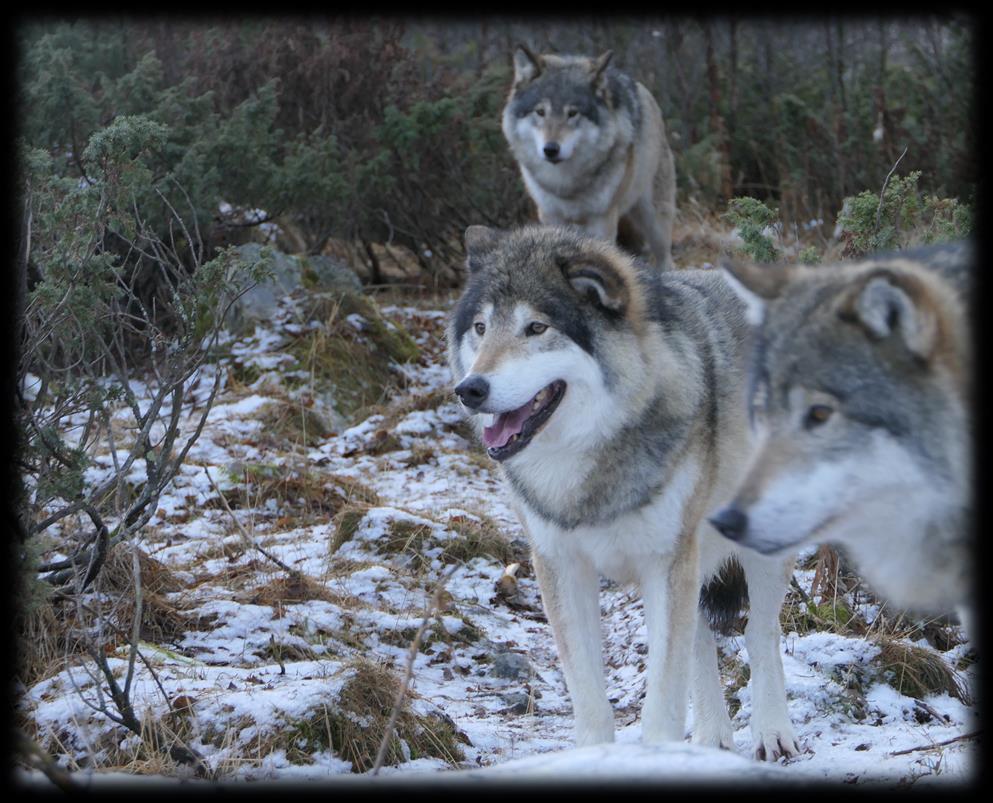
(592, 149)
(862, 392)
(612, 395)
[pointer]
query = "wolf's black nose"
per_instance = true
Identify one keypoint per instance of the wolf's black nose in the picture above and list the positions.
(731, 522)
(551, 149)
(473, 391)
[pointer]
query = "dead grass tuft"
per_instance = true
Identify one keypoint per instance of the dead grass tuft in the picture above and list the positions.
(286, 424)
(917, 671)
(290, 589)
(303, 496)
(473, 538)
(346, 522)
(355, 724)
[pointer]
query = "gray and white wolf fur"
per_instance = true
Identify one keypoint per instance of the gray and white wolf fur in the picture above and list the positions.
(592, 149)
(862, 397)
(613, 397)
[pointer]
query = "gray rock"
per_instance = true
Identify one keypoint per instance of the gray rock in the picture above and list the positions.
(289, 273)
(517, 702)
(511, 665)
(331, 274)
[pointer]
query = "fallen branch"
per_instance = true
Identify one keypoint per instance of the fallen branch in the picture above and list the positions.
(409, 673)
(245, 534)
(34, 756)
(961, 738)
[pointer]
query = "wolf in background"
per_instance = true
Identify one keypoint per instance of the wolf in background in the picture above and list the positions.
(612, 395)
(592, 150)
(861, 392)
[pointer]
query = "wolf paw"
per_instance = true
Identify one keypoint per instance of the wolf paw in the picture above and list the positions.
(722, 738)
(772, 745)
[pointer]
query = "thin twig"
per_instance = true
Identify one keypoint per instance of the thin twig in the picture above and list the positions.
(409, 673)
(34, 755)
(882, 192)
(245, 534)
(963, 737)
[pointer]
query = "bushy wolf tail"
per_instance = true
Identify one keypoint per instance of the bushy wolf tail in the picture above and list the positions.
(724, 595)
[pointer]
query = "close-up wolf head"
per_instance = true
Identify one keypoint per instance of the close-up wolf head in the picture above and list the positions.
(860, 397)
(565, 108)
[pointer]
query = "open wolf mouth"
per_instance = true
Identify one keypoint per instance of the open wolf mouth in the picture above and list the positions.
(514, 429)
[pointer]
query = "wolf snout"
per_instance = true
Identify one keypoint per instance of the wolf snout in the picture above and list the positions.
(473, 391)
(731, 522)
(552, 151)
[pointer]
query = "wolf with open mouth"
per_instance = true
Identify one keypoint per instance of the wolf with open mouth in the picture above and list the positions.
(612, 396)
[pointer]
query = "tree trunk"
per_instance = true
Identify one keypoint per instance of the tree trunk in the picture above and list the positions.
(717, 126)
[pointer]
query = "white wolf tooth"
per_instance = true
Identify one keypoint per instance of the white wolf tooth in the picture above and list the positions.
(592, 149)
(585, 483)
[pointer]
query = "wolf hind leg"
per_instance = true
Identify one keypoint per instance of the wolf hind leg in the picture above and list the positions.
(711, 723)
(772, 730)
(570, 595)
(654, 228)
(629, 237)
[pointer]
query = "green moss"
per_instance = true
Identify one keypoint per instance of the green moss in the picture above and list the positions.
(354, 366)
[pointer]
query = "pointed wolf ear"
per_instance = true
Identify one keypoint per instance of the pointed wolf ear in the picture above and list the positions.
(599, 65)
(766, 281)
(884, 303)
(527, 66)
(598, 283)
(756, 284)
(479, 241)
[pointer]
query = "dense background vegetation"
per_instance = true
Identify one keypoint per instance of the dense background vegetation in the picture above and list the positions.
(388, 131)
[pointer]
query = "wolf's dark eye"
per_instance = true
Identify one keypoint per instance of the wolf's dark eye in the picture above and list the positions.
(536, 328)
(540, 112)
(817, 415)
(571, 113)
(480, 327)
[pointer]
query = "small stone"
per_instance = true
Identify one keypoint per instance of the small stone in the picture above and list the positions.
(511, 665)
(517, 703)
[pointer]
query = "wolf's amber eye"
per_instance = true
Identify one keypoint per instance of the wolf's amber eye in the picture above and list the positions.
(480, 327)
(817, 415)
(540, 112)
(536, 328)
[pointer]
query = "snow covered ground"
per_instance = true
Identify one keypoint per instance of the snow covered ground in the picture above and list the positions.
(250, 668)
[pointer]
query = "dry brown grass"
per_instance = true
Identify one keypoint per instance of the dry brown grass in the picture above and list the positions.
(354, 725)
(294, 588)
(305, 496)
(482, 538)
(917, 671)
(288, 424)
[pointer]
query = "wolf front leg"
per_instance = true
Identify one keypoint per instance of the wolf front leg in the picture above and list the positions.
(670, 590)
(570, 594)
(772, 731)
(711, 723)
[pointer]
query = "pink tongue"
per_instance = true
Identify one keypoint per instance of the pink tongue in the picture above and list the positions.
(506, 426)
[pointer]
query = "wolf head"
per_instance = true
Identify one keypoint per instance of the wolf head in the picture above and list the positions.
(859, 394)
(566, 108)
(534, 340)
